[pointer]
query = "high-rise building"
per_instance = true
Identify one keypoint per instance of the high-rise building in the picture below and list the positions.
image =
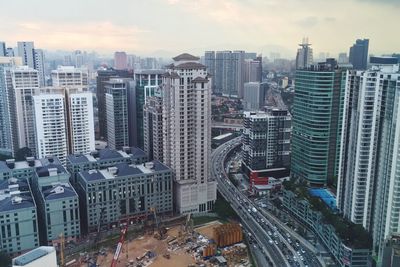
(266, 140)
(50, 121)
(120, 61)
(253, 96)
(117, 112)
(153, 128)
(3, 49)
(26, 51)
(391, 252)
(253, 70)
(147, 84)
(358, 55)
(104, 75)
(209, 61)
(229, 73)
(342, 58)
(317, 122)
(367, 193)
(25, 83)
(187, 133)
(18, 217)
(10, 52)
(304, 57)
(39, 66)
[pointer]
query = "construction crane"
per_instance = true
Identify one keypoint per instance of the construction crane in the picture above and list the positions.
(62, 247)
(97, 238)
(119, 246)
(161, 231)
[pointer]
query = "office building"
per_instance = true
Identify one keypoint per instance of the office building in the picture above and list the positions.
(266, 140)
(3, 49)
(147, 84)
(253, 70)
(153, 128)
(317, 122)
(51, 136)
(117, 112)
(253, 96)
(104, 75)
(102, 159)
(120, 61)
(38, 257)
(367, 193)
(229, 73)
(358, 55)
(8, 133)
(18, 218)
(187, 133)
(26, 51)
(124, 193)
(304, 57)
(57, 204)
(25, 83)
(209, 61)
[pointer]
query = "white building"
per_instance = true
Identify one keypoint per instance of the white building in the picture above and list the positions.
(39, 66)
(70, 77)
(38, 257)
(51, 134)
(25, 81)
(26, 51)
(253, 96)
(187, 133)
(369, 174)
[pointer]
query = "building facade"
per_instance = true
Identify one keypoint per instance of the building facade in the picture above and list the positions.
(304, 56)
(187, 133)
(120, 61)
(317, 122)
(124, 193)
(153, 128)
(358, 55)
(253, 96)
(117, 112)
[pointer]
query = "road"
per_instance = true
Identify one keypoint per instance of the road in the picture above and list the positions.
(278, 243)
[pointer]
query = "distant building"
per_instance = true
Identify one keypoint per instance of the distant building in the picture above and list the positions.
(317, 122)
(229, 73)
(39, 66)
(123, 193)
(253, 96)
(358, 55)
(18, 217)
(39, 257)
(26, 51)
(10, 52)
(57, 204)
(117, 112)
(252, 70)
(342, 58)
(147, 84)
(304, 57)
(209, 61)
(3, 49)
(120, 61)
(153, 128)
(104, 75)
(187, 133)
(25, 83)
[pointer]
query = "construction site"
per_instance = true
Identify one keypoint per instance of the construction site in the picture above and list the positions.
(210, 244)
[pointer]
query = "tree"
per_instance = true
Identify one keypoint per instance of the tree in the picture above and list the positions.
(5, 259)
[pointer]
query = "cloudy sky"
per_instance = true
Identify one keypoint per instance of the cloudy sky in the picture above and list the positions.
(164, 27)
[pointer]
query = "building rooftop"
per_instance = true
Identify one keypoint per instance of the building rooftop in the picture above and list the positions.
(32, 255)
(15, 194)
(30, 162)
(190, 65)
(151, 71)
(58, 191)
(200, 80)
(107, 154)
(50, 170)
(185, 56)
(124, 169)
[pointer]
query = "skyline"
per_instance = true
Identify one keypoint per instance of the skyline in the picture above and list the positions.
(197, 26)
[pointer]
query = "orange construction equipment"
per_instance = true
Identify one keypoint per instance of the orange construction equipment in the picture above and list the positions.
(228, 234)
(119, 246)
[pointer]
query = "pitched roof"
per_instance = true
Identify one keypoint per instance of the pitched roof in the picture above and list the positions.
(199, 80)
(190, 65)
(185, 56)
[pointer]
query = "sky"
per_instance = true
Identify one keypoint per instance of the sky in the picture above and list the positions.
(169, 27)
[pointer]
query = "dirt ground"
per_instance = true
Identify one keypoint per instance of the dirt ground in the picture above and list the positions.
(137, 247)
